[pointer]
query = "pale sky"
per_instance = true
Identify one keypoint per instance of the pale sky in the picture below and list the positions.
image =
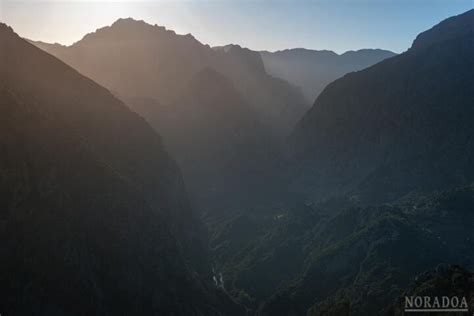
(338, 25)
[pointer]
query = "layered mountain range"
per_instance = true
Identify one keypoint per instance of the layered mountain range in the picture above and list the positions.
(383, 164)
(219, 113)
(373, 186)
(159, 65)
(401, 126)
(218, 110)
(313, 70)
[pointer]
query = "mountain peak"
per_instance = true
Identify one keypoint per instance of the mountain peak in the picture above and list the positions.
(5, 29)
(307, 53)
(369, 51)
(127, 21)
(128, 28)
(453, 27)
(138, 24)
(248, 57)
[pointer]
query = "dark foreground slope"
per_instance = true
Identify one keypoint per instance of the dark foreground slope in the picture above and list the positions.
(398, 127)
(94, 218)
(364, 258)
(338, 258)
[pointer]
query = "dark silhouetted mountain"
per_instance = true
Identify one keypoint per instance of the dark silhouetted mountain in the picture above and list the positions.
(94, 216)
(401, 126)
(159, 64)
(313, 70)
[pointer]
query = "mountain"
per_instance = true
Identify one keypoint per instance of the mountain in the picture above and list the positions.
(383, 165)
(159, 64)
(368, 257)
(399, 127)
(279, 104)
(313, 70)
(340, 258)
(94, 216)
(217, 109)
(225, 152)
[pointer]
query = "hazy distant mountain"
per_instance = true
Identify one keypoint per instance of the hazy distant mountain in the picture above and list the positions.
(313, 70)
(224, 150)
(159, 64)
(94, 217)
(217, 109)
(279, 104)
(400, 126)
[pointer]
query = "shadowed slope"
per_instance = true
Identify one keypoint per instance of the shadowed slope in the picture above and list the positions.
(94, 215)
(400, 126)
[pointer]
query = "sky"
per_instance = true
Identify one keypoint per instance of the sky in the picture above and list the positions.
(337, 25)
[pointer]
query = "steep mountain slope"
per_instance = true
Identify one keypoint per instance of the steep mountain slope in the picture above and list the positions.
(94, 215)
(313, 70)
(363, 258)
(224, 151)
(339, 258)
(160, 63)
(400, 126)
(396, 132)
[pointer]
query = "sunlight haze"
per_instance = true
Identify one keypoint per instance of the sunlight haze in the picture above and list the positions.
(259, 25)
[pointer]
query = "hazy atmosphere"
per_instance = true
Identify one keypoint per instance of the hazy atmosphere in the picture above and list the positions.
(258, 24)
(237, 158)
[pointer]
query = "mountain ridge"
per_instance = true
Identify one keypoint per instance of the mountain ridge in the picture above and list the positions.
(96, 217)
(313, 70)
(395, 115)
(100, 56)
